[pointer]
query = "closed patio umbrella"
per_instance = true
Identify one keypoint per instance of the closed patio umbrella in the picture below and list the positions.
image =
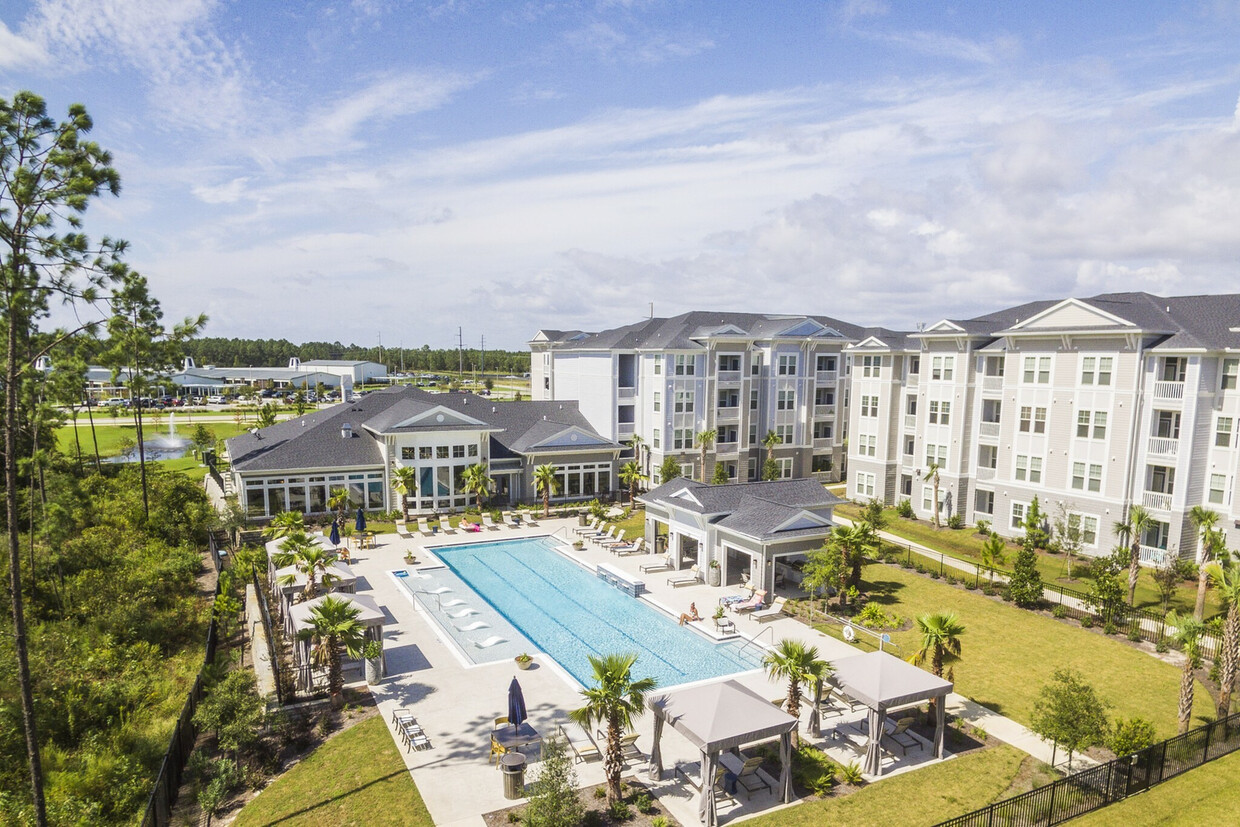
(516, 704)
(335, 535)
(361, 520)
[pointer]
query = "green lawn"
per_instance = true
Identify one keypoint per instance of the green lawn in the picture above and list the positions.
(111, 433)
(1010, 653)
(1206, 795)
(925, 796)
(357, 777)
(966, 545)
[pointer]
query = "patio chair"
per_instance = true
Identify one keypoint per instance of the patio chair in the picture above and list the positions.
(424, 528)
(631, 548)
(900, 732)
(579, 742)
(445, 526)
(488, 523)
(402, 530)
(588, 529)
(729, 600)
(628, 747)
(532, 519)
(692, 773)
(594, 535)
(601, 539)
(618, 540)
(776, 610)
(746, 771)
(694, 575)
(497, 751)
(662, 565)
(838, 693)
(755, 602)
(493, 640)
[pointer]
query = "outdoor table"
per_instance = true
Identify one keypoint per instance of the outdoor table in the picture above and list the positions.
(513, 738)
(365, 539)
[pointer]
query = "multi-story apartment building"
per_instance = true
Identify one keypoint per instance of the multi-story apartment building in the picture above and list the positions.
(1090, 405)
(742, 374)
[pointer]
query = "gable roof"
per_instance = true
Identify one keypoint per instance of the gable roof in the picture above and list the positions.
(778, 509)
(688, 331)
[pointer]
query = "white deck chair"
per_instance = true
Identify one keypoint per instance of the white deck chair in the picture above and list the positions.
(493, 640)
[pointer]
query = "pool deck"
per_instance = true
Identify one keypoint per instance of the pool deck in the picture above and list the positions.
(456, 702)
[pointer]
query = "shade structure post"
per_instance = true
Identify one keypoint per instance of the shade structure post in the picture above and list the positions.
(785, 768)
(873, 749)
(940, 721)
(706, 807)
(815, 720)
(656, 753)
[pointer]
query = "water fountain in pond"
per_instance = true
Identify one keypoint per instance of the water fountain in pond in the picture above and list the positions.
(168, 446)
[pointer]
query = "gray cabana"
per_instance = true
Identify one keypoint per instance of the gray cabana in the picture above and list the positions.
(716, 717)
(369, 615)
(337, 578)
(273, 549)
(882, 681)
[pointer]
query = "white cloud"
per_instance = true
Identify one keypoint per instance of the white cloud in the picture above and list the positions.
(16, 50)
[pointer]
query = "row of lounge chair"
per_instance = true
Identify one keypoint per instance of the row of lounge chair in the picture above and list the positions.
(411, 733)
(585, 746)
(422, 526)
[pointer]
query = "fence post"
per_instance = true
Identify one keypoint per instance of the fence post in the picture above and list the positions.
(1205, 752)
(941, 562)
(1050, 810)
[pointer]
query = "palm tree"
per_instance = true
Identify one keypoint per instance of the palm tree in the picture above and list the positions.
(546, 481)
(334, 624)
(793, 661)
(994, 553)
(310, 559)
(704, 440)
(613, 701)
(641, 452)
(932, 474)
(475, 480)
(405, 482)
(341, 504)
(1130, 532)
(1204, 520)
(769, 442)
(1226, 578)
(940, 642)
(1188, 632)
(631, 475)
(853, 543)
(283, 524)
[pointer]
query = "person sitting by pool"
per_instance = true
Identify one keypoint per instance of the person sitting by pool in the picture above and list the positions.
(691, 615)
(473, 526)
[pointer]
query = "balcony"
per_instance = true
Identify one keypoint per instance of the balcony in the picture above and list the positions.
(823, 443)
(910, 422)
(728, 377)
(985, 474)
(824, 411)
(988, 429)
(911, 380)
(624, 429)
(1163, 446)
(826, 376)
(1169, 391)
(1157, 499)
(626, 393)
(727, 449)
(992, 384)
(730, 414)
(1153, 555)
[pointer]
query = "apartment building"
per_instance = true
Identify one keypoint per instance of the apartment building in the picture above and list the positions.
(1087, 404)
(742, 374)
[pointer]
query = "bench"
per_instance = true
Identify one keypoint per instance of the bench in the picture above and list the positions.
(621, 580)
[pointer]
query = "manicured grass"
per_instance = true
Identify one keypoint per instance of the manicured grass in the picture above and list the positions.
(1010, 653)
(965, 544)
(1206, 795)
(112, 432)
(357, 777)
(924, 796)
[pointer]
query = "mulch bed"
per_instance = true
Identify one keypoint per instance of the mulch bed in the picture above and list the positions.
(587, 795)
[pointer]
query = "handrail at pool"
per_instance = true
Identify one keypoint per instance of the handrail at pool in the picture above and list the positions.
(754, 639)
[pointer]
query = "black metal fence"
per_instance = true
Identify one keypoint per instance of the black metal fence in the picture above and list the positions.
(1098, 786)
(168, 782)
(1125, 620)
(273, 653)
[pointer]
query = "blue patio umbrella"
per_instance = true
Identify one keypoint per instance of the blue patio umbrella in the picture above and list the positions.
(516, 704)
(335, 535)
(361, 520)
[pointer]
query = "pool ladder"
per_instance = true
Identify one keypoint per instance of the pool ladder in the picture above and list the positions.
(755, 638)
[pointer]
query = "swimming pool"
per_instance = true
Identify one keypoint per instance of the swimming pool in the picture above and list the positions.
(569, 613)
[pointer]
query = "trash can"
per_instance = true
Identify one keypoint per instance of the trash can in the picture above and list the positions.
(513, 766)
(583, 519)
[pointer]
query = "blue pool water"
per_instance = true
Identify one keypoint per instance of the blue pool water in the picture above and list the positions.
(569, 613)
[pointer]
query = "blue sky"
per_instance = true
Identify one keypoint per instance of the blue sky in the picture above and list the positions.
(367, 169)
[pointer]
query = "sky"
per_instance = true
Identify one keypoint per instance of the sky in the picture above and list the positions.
(383, 171)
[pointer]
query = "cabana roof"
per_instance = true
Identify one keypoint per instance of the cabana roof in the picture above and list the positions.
(721, 716)
(371, 615)
(882, 681)
(340, 574)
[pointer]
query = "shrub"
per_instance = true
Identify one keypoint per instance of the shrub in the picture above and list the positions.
(644, 803)
(874, 617)
(1129, 736)
(600, 793)
(1108, 628)
(554, 800)
(955, 521)
(1161, 646)
(513, 817)
(1026, 582)
(593, 818)
(1059, 612)
(619, 811)
(934, 575)
(971, 585)
(983, 527)
(851, 774)
(905, 509)
(660, 821)
(1087, 622)
(1134, 634)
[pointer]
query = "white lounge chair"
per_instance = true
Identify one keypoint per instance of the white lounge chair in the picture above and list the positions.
(618, 540)
(611, 532)
(424, 529)
(493, 640)
(402, 529)
(589, 529)
(488, 523)
(462, 613)
(473, 627)
(689, 578)
(594, 535)
(579, 741)
(776, 610)
(631, 548)
(662, 565)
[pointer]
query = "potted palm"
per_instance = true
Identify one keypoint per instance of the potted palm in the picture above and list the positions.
(524, 660)
(713, 573)
(372, 652)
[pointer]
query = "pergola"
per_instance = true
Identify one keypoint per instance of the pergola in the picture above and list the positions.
(337, 578)
(716, 717)
(882, 681)
(369, 615)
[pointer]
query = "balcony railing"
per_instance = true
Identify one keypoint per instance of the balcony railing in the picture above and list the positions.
(1169, 390)
(624, 429)
(1164, 446)
(731, 414)
(1153, 555)
(826, 376)
(992, 383)
(1157, 499)
(822, 443)
(985, 473)
(626, 393)
(911, 380)
(910, 422)
(728, 376)
(990, 429)
(727, 448)
(821, 411)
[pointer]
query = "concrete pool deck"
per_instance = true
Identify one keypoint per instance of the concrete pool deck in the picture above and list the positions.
(456, 702)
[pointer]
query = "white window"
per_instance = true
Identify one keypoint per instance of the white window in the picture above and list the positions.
(685, 364)
(752, 468)
(784, 432)
(1218, 488)
(1085, 527)
(654, 438)
(871, 365)
(684, 401)
(686, 470)
(1231, 370)
(1038, 369)
(1022, 466)
(788, 364)
(1018, 515)
(1033, 419)
(1039, 420)
(682, 439)
(940, 413)
(658, 365)
(936, 455)
(927, 498)
(658, 401)
(868, 445)
(865, 485)
(1098, 430)
(942, 367)
(753, 400)
(786, 400)
(1104, 370)
(1089, 367)
(869, 405)
(1222, 432)
(1100, 424)
(785, 468)
(1035, 469)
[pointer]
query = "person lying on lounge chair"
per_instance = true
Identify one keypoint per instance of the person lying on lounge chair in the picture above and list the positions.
(691, 615)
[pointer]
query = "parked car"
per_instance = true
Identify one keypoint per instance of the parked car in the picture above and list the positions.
(216, 400)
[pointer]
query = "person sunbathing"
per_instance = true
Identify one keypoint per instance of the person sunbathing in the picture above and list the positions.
(691, 615)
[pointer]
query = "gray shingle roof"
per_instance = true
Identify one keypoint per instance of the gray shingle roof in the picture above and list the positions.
(682, 332)
(755, 509)
(315, 441)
